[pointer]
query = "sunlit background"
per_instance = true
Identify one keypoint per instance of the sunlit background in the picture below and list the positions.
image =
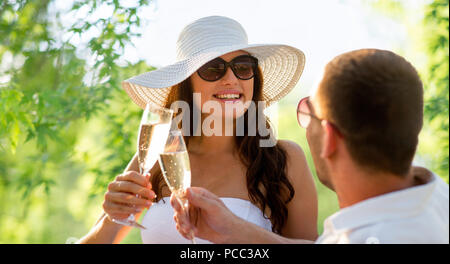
(67, 129)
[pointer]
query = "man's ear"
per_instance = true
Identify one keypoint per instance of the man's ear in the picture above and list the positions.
(329, 141)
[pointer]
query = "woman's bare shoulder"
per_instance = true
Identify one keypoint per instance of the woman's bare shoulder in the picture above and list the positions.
(297, 166)
(293, 149)
(302, 219)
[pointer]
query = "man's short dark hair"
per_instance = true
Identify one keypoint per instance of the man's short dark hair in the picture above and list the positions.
(375, 98)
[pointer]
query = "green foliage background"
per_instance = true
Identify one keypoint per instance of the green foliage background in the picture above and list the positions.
(67, 128)
(437, 83)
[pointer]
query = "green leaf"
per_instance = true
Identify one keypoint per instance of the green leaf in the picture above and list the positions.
(14, 137)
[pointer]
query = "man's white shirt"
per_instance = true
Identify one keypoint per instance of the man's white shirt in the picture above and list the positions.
(419, 214)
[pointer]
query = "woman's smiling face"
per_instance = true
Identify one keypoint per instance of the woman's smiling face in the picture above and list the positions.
(227, 91)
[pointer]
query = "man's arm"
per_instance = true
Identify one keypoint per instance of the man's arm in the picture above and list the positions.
(248, 233)
(216, 223)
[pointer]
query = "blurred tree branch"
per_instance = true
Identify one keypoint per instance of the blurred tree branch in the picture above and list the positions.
(47, 88)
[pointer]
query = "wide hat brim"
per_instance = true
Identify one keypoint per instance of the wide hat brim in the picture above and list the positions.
(281, 66)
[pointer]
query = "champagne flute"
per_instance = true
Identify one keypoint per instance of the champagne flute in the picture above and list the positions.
(176, 169)
(153, 132)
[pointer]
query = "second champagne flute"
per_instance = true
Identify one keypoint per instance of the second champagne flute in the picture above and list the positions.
(176, 169)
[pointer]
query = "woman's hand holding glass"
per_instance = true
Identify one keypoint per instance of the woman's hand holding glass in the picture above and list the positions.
(153, 132)
(128, 194)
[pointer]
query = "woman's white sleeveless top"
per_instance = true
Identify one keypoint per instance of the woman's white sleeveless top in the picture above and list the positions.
(161, 227)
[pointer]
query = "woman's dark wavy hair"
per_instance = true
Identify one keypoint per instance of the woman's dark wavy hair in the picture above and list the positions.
(267, 182)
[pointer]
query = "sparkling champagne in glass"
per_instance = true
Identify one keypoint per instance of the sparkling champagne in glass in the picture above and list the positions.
(175, 167)
(153, 132)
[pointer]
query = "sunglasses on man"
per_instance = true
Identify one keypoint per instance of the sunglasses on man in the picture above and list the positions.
(304, 115)
(243, 67)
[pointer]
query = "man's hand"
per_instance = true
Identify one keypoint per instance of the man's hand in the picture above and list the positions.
(209, 219)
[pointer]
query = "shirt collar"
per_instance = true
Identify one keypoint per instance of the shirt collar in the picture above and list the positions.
(402, 203)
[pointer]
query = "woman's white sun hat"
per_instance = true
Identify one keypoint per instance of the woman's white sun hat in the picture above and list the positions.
(211, 37)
